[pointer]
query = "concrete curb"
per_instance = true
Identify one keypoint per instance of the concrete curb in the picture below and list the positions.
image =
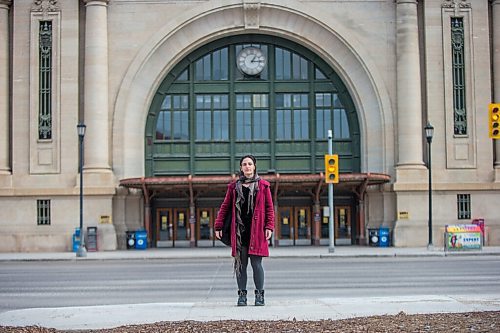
(224, 253)
(109, 316)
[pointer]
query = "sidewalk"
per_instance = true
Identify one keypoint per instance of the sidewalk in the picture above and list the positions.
(276, 252)
(109, 316)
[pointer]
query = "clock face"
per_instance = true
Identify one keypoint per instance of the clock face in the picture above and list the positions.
(251, 60)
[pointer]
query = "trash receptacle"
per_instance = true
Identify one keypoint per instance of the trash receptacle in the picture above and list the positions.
(480, 223)
(384, 237)
(76, 239)
(141, 240)
(373, 237)
(91, 239)
(130, 240)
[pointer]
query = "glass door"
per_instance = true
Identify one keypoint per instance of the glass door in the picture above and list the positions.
(286, 229)
(302, 226)
(182, 232)
(205, 231)
(343, 225)
(164, 228)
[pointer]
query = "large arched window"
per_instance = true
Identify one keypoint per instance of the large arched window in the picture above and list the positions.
(250, 94)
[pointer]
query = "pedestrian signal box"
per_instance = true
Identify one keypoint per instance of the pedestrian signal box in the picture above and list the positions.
(494, 120)
(331, 169)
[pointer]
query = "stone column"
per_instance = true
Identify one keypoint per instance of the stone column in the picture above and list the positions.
(409, 96)
(4, 88)
(96, 87)
(495, 6)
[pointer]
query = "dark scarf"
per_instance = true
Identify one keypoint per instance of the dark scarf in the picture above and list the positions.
(240, 199)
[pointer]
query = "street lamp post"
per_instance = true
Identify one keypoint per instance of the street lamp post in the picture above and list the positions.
(429, 132)
(81, 252)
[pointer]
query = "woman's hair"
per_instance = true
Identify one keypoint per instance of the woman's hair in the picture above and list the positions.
(252, 158)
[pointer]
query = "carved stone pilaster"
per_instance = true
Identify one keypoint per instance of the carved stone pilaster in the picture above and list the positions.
(251, 11)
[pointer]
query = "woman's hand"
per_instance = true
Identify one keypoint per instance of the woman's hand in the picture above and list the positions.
(218, 234)
(269, 234)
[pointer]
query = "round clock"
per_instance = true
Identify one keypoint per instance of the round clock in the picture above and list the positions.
(251, 60)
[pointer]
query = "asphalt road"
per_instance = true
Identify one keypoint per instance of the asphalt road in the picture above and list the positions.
(80, 283)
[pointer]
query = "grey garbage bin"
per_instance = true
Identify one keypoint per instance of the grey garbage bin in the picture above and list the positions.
(91, 239)
(373, 237)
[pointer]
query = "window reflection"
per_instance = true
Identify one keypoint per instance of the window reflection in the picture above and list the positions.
(290, 65)
(213, 66)
(173, 119)
(212, 118)
(330, 114)
(252, 117)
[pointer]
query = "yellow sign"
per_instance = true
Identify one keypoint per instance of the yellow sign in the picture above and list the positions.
(105, 219)
(403, 215)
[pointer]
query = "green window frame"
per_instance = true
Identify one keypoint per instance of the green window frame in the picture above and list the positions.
(43, 212)
(213, 66)
(212, 117)
(290, 65)
(464, 207)
(272, 114)
(330, 114)
(292, 116)
(173, 118)
(45, 81)
(458, 75)
(252, 117)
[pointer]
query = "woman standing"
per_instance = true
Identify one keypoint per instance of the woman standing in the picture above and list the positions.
(250, 204)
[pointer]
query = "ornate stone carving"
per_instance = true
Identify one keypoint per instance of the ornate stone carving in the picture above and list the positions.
(252, 14)
(45, 6)
(456, 5)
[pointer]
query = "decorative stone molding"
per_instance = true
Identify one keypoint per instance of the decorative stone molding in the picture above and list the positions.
(45, 6)
(90, 1)
(6, 3)
(252, 14)
(457, 5)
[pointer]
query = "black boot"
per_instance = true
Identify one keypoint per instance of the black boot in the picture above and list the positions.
(259, 297)
(242, 297)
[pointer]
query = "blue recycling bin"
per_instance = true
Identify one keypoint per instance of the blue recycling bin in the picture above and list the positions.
(384, 235)
(141, 240)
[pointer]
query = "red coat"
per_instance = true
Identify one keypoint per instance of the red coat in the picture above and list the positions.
(263, 218)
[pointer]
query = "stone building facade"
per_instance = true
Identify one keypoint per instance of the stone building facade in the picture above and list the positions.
(163, 92)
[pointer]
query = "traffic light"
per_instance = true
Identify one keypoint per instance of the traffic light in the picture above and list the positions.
(494, 120)
(332, 169)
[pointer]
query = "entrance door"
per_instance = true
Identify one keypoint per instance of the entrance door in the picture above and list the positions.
(164, 228)
(294, 226)
(204, 227)
(302, 225)
(182, 232)
(285, 226)
(172, 227)
(343, 225)
(342, 222)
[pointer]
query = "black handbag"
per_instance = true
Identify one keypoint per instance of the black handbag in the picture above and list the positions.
(226, 229)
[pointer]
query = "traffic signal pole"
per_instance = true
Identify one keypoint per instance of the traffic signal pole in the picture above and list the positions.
(331, 229)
